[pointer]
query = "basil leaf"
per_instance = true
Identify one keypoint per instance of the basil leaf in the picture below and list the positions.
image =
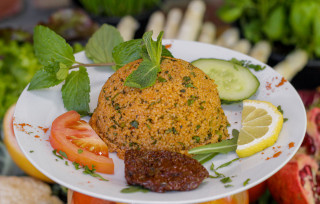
(100, 45)
(126, 52)
(50, 47)
(45, 78)
(143, 77)
(224, 146)
(75, 91)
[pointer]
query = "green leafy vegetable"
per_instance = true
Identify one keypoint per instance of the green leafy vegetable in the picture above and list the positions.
(92, 173)
(203, 158)
(100, 45)
(224, 146)
(75, 91)
(226, 180)
(63, 154)
(146, 74)
(246, 182)
(45, 78)
(227, 163)
(134, 189)
(50, 47)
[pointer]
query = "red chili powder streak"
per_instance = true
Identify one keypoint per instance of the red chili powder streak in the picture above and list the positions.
(168, 46)
(283, 80)
(37, 136)
(291, 144)
(45, 130)
(268, 85)
(277, 154)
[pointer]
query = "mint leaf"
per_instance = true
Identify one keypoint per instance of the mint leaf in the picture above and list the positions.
(100, 45)
(132, 50)
(50, 47)
(126, 52)
(224, 146)
(146, 74)
(75, 91)
(63, 72)
(45, 78)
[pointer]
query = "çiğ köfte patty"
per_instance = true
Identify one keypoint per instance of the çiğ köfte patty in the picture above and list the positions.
(180, 111)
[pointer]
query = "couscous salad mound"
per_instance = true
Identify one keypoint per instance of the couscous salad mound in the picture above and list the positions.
(180, 111)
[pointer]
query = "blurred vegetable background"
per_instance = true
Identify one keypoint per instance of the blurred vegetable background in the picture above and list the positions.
(291, 23)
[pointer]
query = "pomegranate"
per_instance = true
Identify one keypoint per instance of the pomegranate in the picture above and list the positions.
(313, 130)
(296, 182)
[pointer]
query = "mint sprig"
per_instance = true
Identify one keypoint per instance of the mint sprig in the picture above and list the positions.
(146, 74)
(105, 48)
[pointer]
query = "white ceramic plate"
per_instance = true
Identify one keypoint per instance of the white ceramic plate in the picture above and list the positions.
(36, 110)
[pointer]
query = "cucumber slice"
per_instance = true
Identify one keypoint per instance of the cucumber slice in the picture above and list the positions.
(235, 82)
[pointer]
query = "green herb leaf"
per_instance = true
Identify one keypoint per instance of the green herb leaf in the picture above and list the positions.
(227, 163)
(80, 151)
(134, 124)
(146, 74)
(224, 146)
(46, 77)
(280, 109)
(63, 154)
(246, 182)
(75, 91)
(247, 64)
(126, 52)
(203, 158)
(63, 72)
(76, 165)
(57, 155)
(235, 133)
(100, 45)
(50, 47)
(92, 173)
(134, 189)
(226, 180)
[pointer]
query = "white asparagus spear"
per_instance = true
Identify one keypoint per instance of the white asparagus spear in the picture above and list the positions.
(127, 27)
(261, 51)
(192, 21)
(229, 38)
(156, 23)
(292, 64)
(173, 20)
(208, 33)
(242, 46)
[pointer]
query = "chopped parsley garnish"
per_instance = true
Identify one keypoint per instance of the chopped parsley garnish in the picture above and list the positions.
(134, 189)
(134, 124)
(226, 180)
(227, 163)
(57, 155)
(66, 163)
(80, 151)
(91, 172)
(160, 79)
(248, 64)
(246, 182)
(76, 165)
(63, 154)
(31, 151)
(196, 138)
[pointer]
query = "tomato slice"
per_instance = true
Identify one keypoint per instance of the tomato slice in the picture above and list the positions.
(79, 141)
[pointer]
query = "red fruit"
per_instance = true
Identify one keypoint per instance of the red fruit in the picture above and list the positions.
(296, 182)
(257, 191)
(313, 130)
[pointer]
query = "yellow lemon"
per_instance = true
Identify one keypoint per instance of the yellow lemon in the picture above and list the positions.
(261, 124)
(15, 151)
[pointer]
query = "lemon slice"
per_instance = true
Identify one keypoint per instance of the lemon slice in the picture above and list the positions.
(261, 124)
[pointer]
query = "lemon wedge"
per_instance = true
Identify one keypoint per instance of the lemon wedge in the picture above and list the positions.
(261, 124)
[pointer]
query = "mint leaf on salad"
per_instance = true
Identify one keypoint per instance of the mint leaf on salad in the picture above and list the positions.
(100, 45)
(50, 47)
(76, 90)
